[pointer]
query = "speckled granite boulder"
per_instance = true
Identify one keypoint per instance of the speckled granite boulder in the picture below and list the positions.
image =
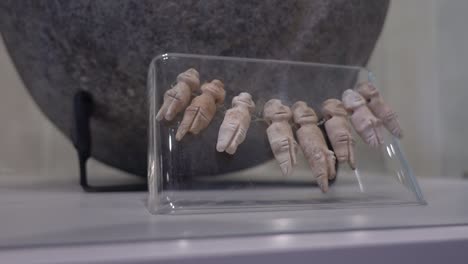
(105, 47)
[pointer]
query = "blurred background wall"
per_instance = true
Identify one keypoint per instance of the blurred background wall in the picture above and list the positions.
(421, 67)
(405, 64)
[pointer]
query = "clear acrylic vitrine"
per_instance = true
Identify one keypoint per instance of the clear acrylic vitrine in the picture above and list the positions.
(191, 176)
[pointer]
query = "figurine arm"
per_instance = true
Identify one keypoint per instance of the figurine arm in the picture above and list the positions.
(331, 161)
(318, 162)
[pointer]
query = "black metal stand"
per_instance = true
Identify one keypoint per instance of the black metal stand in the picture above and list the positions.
(83, 107)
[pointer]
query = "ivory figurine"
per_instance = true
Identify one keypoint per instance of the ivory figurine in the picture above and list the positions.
(236, 122)
(339, 131)
(321, 160)
(380, 109)
(280, 134)
(178, 97)
(202, 109)
(363, 120)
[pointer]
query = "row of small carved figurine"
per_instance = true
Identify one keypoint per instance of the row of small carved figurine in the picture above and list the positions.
(366, 108)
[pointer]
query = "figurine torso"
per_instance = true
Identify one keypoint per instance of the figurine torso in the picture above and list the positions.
(380, 108)
(183, 93)
(362, 118)
(206, 104)
(239, 113)
(310, 133)
(279, 131)
(337, 126)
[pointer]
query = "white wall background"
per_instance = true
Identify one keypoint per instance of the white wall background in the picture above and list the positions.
(420, 62)
(452, 64)
(405, 62)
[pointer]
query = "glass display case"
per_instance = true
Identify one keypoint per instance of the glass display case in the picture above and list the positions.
(190, 175)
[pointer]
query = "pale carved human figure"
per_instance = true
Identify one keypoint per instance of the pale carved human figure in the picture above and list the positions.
(178, 97)
(321, 160)
(380, 109)
(368, 127)
(280, 134)
(236, 122)
(202, 109)
(339, 131)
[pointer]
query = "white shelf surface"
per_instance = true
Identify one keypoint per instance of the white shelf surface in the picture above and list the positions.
(64, 224)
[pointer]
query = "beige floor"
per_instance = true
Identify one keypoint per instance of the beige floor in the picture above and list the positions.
(419, 64)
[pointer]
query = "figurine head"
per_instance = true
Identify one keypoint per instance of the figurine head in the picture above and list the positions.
(274, 110)
(216, 89)
(352, 100)
(244, 99)
(191, 77)
(367, 90)
(303, 114)
(333, 107)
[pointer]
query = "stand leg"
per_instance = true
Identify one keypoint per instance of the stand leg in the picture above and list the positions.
(327, 140)
(82, 112)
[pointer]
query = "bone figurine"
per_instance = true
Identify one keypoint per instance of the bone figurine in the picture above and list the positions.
(178, 97)
(368, 127)
(380, 109)
(339, 131)
(202, 109)
(235, 124)
(321, 160)
(280, 134)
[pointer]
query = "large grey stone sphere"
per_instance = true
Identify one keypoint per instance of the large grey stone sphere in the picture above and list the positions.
(105, 47)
